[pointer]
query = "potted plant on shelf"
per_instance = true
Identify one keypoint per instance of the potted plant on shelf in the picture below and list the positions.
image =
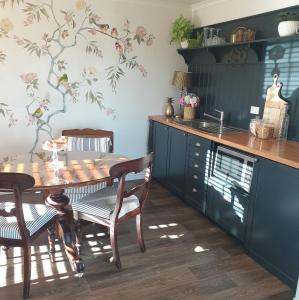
(196, 43)
(181, 31)
(189, 102)
(288, 24)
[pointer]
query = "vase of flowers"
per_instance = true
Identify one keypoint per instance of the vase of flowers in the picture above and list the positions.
(189, 102)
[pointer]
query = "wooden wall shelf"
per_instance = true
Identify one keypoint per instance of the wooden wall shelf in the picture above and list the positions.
(258, 46)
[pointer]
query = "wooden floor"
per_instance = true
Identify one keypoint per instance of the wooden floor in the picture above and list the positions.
(187, 258)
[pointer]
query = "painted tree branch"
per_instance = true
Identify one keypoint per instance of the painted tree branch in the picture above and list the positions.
(66, 34)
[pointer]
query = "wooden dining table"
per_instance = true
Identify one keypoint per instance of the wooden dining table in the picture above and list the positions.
(72, 169)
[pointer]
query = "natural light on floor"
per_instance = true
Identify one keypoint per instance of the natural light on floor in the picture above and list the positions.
(42, 269)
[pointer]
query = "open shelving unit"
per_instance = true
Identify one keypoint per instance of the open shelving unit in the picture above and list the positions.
(258, 46)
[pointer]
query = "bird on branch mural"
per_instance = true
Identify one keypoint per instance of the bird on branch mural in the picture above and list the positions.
(67, 29)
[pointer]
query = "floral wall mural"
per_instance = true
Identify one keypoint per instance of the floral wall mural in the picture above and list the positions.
(80, 26)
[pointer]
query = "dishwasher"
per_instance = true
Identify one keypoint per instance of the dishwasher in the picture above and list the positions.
(230, 186)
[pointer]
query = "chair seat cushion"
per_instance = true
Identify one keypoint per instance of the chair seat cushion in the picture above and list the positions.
(76, 193)
(102, 203)
(35, 215)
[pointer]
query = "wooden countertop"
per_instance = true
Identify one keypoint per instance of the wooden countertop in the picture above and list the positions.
(284, 151)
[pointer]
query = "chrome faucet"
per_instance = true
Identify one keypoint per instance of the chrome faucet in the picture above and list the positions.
(220, 119)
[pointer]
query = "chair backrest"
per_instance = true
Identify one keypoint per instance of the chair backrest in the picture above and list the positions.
(120, 172)
(89, 140)
(16, 183)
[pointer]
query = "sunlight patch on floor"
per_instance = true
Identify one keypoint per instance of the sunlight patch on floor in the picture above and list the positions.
(199, 249)
(155, 227)
(171, 236)
(11, 269)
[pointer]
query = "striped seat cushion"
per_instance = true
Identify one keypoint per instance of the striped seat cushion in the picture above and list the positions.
(76, 193)
(35, 215)
(102, 203)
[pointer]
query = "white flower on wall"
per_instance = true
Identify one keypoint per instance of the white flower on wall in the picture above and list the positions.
(69, 29)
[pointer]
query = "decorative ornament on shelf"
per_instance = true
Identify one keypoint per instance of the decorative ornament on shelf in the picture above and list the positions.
(189, 102)
(169, 110)
(288, 24)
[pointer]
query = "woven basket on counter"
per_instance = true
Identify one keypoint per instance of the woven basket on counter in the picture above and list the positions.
(189, 112)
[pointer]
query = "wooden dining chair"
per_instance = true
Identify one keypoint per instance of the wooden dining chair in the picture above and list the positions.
(87, 140)
(114, 205)
(21, 223)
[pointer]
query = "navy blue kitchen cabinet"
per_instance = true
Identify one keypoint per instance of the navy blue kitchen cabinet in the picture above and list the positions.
(181, 163)
(273, 231)
(197, 171)
(160, 147)
(169, 146)
(177, 161)
(265, 217)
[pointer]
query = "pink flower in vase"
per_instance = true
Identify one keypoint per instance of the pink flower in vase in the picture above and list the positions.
(190, 100)
(182, 101)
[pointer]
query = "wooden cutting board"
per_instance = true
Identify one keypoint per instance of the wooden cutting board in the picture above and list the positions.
(275, 107)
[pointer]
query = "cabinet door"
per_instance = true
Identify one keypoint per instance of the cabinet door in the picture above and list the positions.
(228, 207)
(160, 146)
(177, 161)
(273, 238)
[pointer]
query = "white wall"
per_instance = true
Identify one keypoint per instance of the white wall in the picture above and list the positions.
(136, 96)
(209, 12)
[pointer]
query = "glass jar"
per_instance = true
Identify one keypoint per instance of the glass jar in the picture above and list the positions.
(253, 125)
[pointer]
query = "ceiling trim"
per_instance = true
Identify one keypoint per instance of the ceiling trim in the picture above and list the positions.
(206, 3)
(159, 3)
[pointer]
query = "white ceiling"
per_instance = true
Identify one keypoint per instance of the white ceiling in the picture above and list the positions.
(187, 2)
(167, 2)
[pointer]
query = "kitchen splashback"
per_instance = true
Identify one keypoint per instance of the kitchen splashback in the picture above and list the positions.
(234, 78)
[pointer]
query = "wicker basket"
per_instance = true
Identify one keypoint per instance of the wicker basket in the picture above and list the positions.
(189, 112)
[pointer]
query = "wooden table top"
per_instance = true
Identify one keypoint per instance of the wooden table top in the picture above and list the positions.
(76, 168)
(282, 151)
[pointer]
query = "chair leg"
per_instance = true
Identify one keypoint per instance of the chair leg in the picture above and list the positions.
(27, 270)
(140, 232)
(78, 233)
(114, 246)
(6, 249)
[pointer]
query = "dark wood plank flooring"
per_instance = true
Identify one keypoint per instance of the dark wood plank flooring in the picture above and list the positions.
(187, 257)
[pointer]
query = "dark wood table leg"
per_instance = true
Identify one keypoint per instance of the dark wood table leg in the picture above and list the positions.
(60, 202)
(51, 238)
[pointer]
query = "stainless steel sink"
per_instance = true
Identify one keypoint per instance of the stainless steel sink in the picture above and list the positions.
(208, 126)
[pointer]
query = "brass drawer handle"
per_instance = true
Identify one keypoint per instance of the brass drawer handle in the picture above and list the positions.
(195, 176)
(196, 166)
(197, 144)
(196, 154)
(194, 190)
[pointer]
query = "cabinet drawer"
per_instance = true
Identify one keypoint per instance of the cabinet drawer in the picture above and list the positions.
(197, 165)
(195, 194)
(199, 142)
(195, 177)
(194, 189)
(197, 153)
